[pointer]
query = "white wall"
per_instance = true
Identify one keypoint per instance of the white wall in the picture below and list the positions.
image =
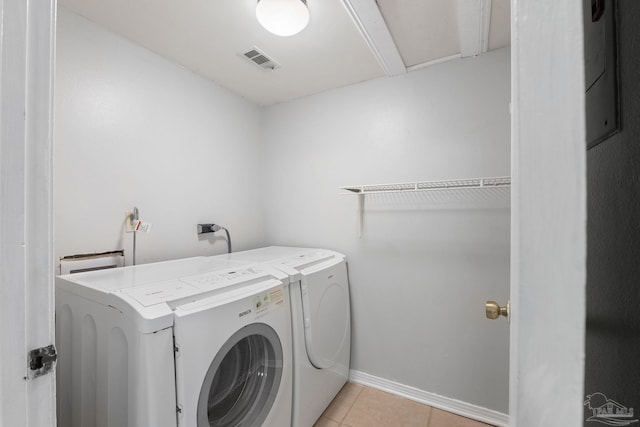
(133, 129)
(424, 266)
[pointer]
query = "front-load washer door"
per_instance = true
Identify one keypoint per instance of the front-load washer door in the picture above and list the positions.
(326, 312)
(243, 379)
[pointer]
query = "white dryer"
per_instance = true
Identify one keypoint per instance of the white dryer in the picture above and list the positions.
(196, 343)
(321, 323)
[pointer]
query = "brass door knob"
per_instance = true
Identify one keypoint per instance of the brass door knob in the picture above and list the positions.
(494, 310)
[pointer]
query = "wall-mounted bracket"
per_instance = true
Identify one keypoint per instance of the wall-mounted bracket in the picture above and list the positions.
(360, 214)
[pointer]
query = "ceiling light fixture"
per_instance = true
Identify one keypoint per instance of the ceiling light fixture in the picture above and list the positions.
(283, 17)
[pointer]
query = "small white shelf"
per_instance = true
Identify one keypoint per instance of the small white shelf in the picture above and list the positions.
(457, 184)
(469, 184)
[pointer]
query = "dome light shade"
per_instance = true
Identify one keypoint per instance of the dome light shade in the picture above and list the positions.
(283, 17)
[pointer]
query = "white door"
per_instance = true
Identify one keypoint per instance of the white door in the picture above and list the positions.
(548, 252)
(27, 30)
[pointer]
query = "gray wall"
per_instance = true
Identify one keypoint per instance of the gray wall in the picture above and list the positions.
(424, 265)
(613, 291)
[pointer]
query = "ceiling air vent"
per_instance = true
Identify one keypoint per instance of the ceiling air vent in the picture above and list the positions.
(256, 57)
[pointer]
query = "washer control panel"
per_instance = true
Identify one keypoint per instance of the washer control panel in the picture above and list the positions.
(159, 293)
(225, 278)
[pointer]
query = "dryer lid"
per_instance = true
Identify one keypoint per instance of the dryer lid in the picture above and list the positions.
(307, 261)
(326, 311)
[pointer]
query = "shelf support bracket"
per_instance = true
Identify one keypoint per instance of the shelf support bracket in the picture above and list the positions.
(360, 213)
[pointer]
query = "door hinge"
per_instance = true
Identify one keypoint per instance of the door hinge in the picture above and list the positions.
(41, 361)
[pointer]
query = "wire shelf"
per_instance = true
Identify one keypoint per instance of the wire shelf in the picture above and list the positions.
(480, 183)
(503, 183)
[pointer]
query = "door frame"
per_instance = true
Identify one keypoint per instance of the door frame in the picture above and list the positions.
(27, 57)
(548, 214)
(548, 211)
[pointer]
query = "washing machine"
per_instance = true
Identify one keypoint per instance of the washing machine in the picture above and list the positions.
(321, 323)
(188, 343)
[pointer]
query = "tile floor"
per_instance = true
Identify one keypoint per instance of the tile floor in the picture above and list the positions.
(359, 406)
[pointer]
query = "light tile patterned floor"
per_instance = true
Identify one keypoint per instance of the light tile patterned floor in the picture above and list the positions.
(358, 406)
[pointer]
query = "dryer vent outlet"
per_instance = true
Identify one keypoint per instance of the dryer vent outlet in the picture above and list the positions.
(208, 228)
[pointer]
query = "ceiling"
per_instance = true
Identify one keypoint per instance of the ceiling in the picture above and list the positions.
(346, 41)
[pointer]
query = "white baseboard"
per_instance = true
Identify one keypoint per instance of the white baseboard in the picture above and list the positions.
(441, 402)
